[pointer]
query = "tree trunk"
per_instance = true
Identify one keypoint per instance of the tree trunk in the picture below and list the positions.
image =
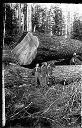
(29, 22)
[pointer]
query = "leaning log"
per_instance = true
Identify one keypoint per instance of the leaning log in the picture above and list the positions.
(38, 48)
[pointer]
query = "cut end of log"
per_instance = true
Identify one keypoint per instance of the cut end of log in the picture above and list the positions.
(26, 50)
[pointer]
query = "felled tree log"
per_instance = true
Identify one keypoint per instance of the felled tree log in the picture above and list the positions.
(52, 48)
(71, 73)
(39, 48)
(17, 75)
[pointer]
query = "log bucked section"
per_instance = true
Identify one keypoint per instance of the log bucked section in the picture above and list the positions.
(37, 48)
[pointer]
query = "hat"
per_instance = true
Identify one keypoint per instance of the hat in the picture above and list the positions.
(74, 54)
(37, 65)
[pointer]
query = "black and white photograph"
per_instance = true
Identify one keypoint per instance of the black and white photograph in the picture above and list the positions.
(42, 65)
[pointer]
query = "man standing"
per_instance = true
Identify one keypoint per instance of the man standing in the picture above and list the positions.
(37, 75)
(76, 60)
(44, 77)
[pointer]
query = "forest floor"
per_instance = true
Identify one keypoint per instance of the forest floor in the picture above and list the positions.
(21, 89)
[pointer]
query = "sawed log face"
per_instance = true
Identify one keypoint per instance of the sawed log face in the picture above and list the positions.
(26, 50)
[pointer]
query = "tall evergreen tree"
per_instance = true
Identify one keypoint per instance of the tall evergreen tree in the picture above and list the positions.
(11, 26)
(58, 19)
(77, 30)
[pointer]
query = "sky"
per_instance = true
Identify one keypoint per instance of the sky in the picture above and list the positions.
(72, 7)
